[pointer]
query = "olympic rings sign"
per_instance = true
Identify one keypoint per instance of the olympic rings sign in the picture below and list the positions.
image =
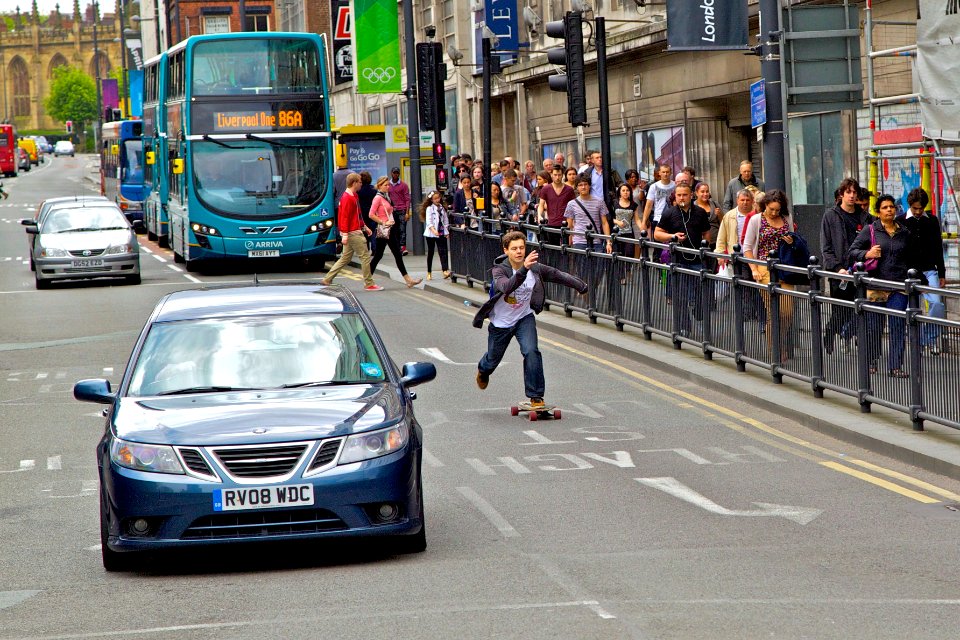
(379, 75)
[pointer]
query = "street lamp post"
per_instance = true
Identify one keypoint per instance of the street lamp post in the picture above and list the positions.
(413, 124)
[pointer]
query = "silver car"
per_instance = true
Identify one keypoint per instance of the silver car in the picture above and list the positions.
(85, 242)
(48, 205)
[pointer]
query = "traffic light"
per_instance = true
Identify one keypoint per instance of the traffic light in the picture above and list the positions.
(441, 175)
(439, 153)
(431, 74)
(570, 55)
(69, 126)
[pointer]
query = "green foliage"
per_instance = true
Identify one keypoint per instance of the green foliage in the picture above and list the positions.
(73, 96)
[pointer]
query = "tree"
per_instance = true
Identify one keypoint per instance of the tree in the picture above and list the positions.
(73, 96)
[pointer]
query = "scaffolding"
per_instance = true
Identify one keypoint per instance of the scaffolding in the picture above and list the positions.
(937, 172)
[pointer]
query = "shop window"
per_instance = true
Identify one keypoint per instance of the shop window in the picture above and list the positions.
(659, 146)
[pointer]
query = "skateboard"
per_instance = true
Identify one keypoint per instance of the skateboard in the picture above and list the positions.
(546, 413)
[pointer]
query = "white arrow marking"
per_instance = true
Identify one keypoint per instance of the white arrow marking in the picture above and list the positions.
(54, 463)
(672, 486)
(436, 354)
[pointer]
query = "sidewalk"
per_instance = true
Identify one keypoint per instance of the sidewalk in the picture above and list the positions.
(886, 432)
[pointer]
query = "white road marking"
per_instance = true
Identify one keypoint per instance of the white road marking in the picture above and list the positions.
(489, 512)
(675, 488)
(436, 354)
(431, 460)
(11, 598)
(54, 463)
(145, 249)
(572, 589)
(27, 465)
(41, 376)
(60, 375)
(192, 279)
(108, 370)
(175, 268)
(158, 257)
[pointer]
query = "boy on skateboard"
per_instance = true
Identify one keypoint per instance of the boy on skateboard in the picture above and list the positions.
(518, 295)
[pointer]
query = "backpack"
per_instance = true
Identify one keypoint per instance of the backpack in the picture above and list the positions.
(796, 254)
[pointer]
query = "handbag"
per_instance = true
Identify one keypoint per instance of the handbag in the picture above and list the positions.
(795, 254)
(871, 264)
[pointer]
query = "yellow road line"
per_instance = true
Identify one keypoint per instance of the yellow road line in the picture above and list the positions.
(926, 486)
(880, 482)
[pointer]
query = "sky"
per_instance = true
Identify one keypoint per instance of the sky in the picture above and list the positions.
(46, 6)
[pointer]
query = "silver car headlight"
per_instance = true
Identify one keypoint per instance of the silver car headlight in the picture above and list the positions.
(53, 252)
(373, 444)
(116, 249)
(145, 457)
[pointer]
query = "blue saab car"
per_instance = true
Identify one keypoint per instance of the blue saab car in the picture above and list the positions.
(268, 412)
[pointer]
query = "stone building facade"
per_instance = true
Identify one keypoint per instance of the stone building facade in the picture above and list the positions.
(33, 48)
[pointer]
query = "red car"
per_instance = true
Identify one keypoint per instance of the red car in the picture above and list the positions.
(23, 159)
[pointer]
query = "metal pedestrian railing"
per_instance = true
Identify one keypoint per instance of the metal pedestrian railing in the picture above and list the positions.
(888, 353)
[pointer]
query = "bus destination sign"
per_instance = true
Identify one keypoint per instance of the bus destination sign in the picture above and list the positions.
(258, 116)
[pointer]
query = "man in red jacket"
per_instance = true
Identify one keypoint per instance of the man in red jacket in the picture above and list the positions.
(352, 231)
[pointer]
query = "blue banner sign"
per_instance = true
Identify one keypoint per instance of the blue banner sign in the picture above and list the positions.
(758, 104)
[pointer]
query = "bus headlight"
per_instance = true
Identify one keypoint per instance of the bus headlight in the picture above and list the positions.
(204, 229)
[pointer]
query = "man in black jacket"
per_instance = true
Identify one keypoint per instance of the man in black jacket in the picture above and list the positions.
(928, 259)
(838, 229)
(519, 295)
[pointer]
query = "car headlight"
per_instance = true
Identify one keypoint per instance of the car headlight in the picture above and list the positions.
(145, 457)
(115, 249)
(53, 252)
(373, 444)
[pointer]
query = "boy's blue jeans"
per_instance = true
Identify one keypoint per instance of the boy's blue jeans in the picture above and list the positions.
(526, 333)
(937, 309)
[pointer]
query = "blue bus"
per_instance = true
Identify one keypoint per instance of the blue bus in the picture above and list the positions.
(249, 148)
(121, 166)
(155, 150)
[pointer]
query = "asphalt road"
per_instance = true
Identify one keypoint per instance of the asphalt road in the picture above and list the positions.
(653, 509)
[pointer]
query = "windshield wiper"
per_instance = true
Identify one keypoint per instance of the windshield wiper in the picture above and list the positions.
(78, 230)
(324, 383)
(222, 144)
(274, 143)
(211, 389)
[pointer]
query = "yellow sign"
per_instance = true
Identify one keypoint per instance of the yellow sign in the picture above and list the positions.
(150, 157)
(178, 166)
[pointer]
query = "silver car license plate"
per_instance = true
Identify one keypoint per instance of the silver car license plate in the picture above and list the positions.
(272, 497)
(263, 253)
(87, 262)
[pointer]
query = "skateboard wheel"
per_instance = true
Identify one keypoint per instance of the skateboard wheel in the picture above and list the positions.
(533, 416)
(514, 411)
(556, 414)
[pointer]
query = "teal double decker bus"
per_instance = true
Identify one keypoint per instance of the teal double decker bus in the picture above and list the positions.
(155, 150)
(249, 148)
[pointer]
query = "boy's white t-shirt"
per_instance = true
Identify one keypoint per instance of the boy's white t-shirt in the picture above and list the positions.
(511, 309)
(660, 194)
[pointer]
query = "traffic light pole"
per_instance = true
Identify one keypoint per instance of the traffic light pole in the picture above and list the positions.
(774, 167)
(601, 39)
(486, 126)
(413, 130)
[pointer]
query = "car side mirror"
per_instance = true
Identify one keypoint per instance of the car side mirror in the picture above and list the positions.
(28, 221)
(414, 373)
(32, 229)
(93, 390)
(139, 227)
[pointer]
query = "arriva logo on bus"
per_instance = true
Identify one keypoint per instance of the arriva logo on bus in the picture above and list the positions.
(263, 244)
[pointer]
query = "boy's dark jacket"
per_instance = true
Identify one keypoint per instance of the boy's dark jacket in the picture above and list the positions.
(506, 281)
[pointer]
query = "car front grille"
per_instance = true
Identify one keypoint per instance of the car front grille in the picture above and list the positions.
(85, 269)
(195, 462)
(325, 454)
(87, 253)
(256, 525)
(260, 462)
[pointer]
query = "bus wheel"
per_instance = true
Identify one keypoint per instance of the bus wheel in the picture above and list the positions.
(151, 235)
(163, 241)
(177, 257)
(192, 265)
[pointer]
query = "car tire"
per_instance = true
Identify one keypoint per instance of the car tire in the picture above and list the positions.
(112, 560)
(134, 279)
(417, 543)
(41, 284)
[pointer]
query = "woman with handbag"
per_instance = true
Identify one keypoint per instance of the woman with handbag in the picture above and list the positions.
(885, 248)
(388, 230)
(762, 237)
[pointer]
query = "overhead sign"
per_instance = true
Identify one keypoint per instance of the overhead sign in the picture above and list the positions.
(342, 47)
(707, 24)
(257, 117)
(377, 53)
(758, 104)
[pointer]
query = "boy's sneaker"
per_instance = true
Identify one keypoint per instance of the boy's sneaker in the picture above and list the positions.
(373, 287)
(403, 250)
(483, 379)
(536, 404)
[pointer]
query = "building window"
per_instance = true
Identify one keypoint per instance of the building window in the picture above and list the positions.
(390, 114)
(816, 157)
(373, 116)
(291, 16)
(449, 29)
(659, 146)
(450, 133)
(21, 87)
(216, 24)
(619, 151)
(258, 23)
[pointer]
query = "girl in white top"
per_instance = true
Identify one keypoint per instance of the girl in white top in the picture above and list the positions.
(435, 226)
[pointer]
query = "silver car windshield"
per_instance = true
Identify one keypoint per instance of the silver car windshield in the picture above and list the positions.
(84, 219)
(263, 352)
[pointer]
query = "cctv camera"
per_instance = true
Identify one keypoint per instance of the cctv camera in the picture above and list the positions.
(430, 30)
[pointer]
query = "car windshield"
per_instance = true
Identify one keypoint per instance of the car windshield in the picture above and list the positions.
(83, 219)
(262, 352)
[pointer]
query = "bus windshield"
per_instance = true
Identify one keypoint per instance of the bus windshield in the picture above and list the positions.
(132, 162)
(260, 178)
(255, 67)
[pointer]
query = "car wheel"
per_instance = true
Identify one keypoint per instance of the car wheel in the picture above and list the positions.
(33, 265)
(112, 560)
(416, 543)
(41, 284)
(134, 279)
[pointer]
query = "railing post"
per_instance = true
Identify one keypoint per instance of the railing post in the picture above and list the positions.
(706, 302)
(674, 280)
(774, 346)
(614, 287)
(816, 326)
(645, 302)
(592, 270)
(913, 328)
(863, 348)
(739, 300)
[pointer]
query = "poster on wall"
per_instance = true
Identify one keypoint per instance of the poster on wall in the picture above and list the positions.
(342, 46)
(367, 155)
(377, 53)
(938, 67)
(659, 146)
(707, 25)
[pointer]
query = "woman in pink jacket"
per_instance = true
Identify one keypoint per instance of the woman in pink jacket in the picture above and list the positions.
(381, 212)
